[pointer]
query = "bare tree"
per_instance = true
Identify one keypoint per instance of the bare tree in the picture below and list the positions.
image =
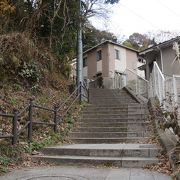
(161, 36)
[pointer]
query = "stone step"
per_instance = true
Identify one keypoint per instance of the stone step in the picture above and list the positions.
(101, 109)
(96, 94)
(111, 120)
(106, 134)
(110, 129)
(108, 97)
(104, 150)
(112, 116)
(111, 124)
(113, 102)
(113, 161)
(109, 104)
(107, 92)
(121, 106)
(103, 98)
(112, 91)
(109, 140)
(100, 98)
(115, 95)
(113, 111)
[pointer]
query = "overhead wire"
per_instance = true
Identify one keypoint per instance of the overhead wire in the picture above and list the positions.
(171, 10)
(142, 17)
(138, 15)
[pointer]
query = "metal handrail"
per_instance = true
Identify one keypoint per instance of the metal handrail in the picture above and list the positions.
(162, 76)
(23, 110)
(44, 123)
(6, 115)
(43, 108)
(15, 116)
(6, 136)
(23, 128)
(138, 75)
(68, 98)
(70, 106)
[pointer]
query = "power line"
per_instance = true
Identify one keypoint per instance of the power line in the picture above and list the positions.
(138, 15)
(171, 10)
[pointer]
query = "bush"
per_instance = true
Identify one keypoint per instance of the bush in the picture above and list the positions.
(30, 72)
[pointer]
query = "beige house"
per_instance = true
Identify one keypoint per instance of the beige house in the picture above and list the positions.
(109, 58)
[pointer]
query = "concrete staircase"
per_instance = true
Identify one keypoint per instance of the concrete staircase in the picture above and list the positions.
(113, 130)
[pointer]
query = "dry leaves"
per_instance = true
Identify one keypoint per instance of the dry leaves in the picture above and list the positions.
(163, 166)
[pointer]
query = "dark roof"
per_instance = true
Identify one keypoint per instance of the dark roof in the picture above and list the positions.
(111, 42)
(163, 44)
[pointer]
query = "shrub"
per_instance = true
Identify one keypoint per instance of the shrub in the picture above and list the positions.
(30, 72)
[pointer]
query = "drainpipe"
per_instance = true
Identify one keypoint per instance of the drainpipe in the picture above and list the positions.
(161, 58)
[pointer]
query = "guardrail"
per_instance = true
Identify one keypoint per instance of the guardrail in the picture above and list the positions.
(58, 115)
(137, 83)
(157, 83)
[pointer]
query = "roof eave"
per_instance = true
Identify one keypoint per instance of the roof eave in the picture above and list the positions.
(146, 51)
(111, 42)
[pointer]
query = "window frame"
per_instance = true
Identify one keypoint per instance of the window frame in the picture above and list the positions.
(117, 54)
(85, 62)
(99, 55)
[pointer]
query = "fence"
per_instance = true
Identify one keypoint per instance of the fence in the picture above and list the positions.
(169, 88)
(116, 82)
(56, 112)
(166, 88)
(157, 84)
(129, 78)
(176, 87)
(137, 83)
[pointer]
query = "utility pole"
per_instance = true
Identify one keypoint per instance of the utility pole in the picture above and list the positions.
(79, 71)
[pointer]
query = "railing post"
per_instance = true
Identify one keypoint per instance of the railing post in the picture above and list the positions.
(55, 119)
(80, 92)
(14, 128)
(88, 95)
(30, 121)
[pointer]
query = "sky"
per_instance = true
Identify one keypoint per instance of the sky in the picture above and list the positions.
(129, 16)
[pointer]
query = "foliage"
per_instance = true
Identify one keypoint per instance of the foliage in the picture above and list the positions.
(44, 25)
(9, 154)
(4, 161)
(6, 7)
(51, 139)
(142, 41)
(128, 44)
(30, 72)
(36, 145)
(15, 50)
(139, 41)
(94, 36)
(20, 60)
(176, 174)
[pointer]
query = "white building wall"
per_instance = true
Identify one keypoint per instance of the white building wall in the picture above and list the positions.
(85, 72)
(139, 72)
(99, 66)
(120, 64)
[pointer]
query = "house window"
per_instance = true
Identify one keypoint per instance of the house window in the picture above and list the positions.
(117, 54)
(99, 55)
(84, 61)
